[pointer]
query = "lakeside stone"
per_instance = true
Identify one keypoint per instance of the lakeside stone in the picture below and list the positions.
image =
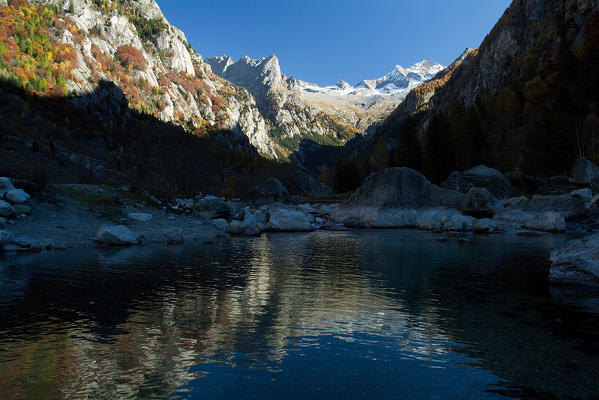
(6, 210)
(479, 202)
(17, 196)
(585, 195)
(5, 186)
(567, 205)
(480, 176)
(577, 262)
(549, 221)
(116, 235)
(281, 219)
(212, 209)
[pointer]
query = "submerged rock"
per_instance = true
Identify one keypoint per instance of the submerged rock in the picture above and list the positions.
(481, 176)
(578, 262)
(118, 235)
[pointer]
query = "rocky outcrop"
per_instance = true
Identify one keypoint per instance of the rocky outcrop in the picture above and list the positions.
(578, 262)
(483, 177)
(118, 235)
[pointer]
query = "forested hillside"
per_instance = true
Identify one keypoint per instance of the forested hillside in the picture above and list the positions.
(527, 101)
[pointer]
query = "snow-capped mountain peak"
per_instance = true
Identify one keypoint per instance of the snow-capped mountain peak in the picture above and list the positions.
(398, 82)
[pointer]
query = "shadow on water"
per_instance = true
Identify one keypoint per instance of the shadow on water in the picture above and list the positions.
(335, 315)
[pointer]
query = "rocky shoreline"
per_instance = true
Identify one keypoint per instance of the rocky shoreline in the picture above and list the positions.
(478, 201)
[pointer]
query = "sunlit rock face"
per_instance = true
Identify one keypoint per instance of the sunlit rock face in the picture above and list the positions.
(170, 81)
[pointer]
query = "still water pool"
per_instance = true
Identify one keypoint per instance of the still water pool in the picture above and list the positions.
(352, 315)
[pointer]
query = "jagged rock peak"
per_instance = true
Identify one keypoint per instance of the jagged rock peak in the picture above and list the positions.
(147, 8)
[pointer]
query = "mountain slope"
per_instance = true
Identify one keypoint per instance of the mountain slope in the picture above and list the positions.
(58, 47)
(526, 100)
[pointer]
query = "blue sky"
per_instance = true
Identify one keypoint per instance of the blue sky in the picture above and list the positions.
(323, 41)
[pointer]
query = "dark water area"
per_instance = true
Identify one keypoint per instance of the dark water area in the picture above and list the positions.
(352, 315)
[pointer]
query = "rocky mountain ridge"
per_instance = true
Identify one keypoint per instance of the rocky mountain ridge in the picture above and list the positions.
(304, 112)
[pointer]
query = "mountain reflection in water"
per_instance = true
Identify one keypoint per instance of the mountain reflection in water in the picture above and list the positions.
(363, 314)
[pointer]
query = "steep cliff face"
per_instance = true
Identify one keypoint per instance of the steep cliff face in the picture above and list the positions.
(528, 38)
(293, 121)
(131, 44)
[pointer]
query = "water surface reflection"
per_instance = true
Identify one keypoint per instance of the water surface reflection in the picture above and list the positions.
(359, 314)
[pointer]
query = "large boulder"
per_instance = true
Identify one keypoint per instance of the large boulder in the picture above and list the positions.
(479, 203)
(566, 205)
(6, 210)
(5, 186)
(481, 176)
(283, 219)
(578, 262)
(271, 191)
(116, 235)
(403, 188)
(584, 172)
(212, 209)
(17, 196)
